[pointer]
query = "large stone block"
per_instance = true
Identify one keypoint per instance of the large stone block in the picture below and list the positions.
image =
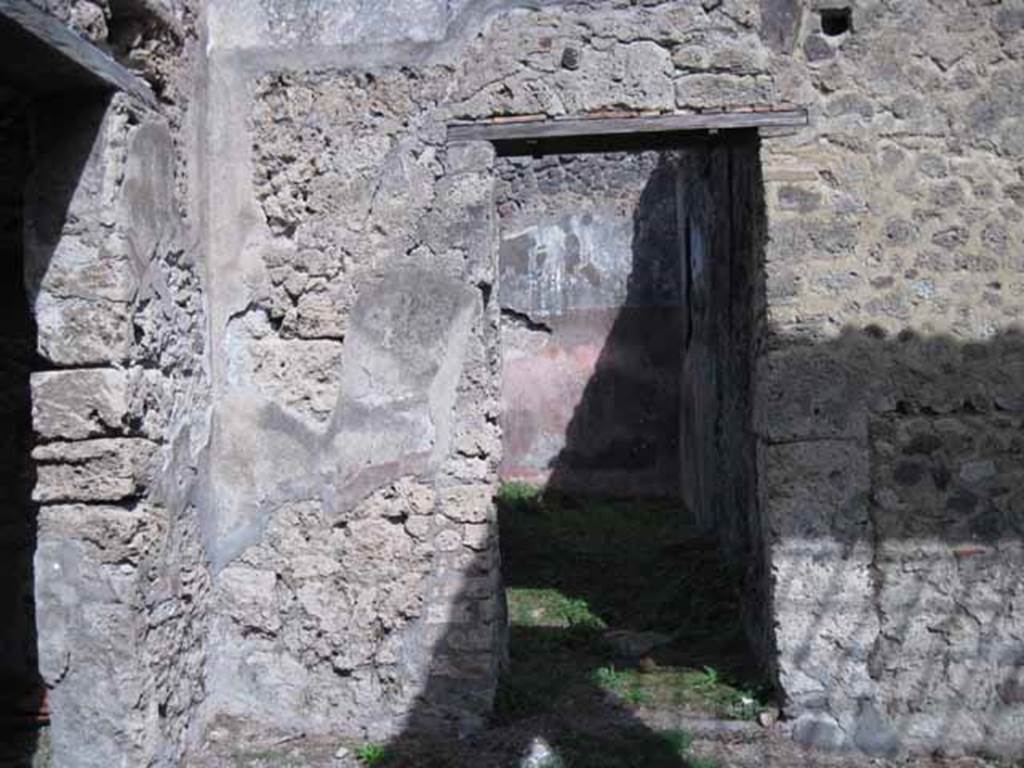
(826, 624)
(704, 91)
(90, 631)
(468, 503)
(636, 76)
(76, 404)
(81, 269)
(76, 331)
(106, 469)
(807, 394)
(818, 489)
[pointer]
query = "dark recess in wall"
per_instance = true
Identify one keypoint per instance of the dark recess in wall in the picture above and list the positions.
(836, 21)
(41, 94)
(18, 666)
(616, 142)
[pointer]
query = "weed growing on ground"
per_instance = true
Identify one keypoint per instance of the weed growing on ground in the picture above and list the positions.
(610, 678)
(372, 754)
(638, 697)
(710, 676)
(622, 684)
(546, 607)
(518, 493)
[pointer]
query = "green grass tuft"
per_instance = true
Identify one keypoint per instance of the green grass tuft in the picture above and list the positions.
(517, 493)
(547, 607)
(610, 678)
(372, 754)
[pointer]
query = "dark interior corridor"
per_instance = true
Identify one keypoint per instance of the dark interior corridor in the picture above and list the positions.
(629, 287)
(37, 119)
(19, 689)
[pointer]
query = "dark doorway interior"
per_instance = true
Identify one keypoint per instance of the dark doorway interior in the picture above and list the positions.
(44, 98)
(19, 688)
(629, 286)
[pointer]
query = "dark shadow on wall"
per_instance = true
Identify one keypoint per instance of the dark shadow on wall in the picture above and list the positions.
(895, 498)
(623, 438)
(29, 127)
(19, 685)
(590, 291)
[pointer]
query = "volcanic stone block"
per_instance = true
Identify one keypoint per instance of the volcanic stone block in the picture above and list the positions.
(704, 91)
(818, 489)
(107, 469)
(76, 404)
(468, 503)
(90, 630)
(77, 331)
(810, 394)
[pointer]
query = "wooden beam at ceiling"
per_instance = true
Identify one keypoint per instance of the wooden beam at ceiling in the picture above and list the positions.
(539, 129)
(55, 36)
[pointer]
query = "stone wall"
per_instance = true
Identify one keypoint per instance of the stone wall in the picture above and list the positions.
(898, 218)
(897, 533)
(120, 584)
(339, 221)
(357, 415)
(589, 288)
(119, 395)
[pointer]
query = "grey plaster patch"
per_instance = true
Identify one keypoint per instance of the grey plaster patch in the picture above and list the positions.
(399, 368)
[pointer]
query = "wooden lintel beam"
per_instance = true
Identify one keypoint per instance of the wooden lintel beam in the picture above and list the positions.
(536, 130)
(52, 33)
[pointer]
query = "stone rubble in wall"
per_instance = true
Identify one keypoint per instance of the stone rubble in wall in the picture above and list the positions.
(120, 311)
(351, 599)
(342, 219)
(576, 180)
(893, 209)
(381, 196)
(931, 530)
(899, 212)
(899, 207)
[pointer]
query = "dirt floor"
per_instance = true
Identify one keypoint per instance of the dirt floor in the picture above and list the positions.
(564, 741)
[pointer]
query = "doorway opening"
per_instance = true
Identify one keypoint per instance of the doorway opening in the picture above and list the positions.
(20, 690)
(631, 292)
(50, 105)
